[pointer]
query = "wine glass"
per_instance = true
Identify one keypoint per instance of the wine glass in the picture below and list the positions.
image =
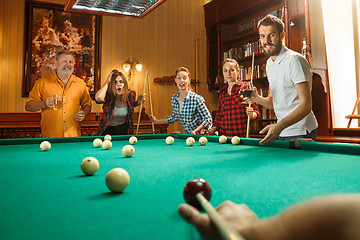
(246, 90)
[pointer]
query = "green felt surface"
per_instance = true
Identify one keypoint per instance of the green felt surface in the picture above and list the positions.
(46, 196)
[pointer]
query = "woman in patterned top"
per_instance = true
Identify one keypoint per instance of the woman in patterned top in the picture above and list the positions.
(188, 107)
(231, 117)
(118, 105)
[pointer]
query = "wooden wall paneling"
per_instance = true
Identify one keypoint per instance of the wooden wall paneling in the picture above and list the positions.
(162, 41)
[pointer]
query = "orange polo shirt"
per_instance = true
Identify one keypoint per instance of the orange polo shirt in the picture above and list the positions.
(61, 123)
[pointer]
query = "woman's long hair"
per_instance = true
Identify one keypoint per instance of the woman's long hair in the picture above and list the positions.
(110, 94)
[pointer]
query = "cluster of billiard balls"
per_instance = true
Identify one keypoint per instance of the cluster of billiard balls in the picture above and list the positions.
(118, 179)
(127, 150)
(190, 141)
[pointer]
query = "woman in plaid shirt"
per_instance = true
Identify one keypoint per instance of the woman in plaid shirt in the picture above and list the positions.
(231, 117)
(188, 107)
(118, 105)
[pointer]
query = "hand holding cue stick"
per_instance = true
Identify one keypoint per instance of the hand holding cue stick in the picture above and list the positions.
(251, 82)
(151, 108)
(227, 232)
(137, 127)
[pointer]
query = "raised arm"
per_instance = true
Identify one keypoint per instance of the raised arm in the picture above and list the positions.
(101, 93)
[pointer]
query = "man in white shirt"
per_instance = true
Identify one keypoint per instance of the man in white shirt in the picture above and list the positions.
(290, 82)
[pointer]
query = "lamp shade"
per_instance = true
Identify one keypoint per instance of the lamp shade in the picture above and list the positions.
(138, 66)
(126, 67)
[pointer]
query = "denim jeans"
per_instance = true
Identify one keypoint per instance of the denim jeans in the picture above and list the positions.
(308, 135)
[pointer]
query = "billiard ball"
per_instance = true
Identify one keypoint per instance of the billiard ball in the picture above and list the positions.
(190, 141)
(128, 150)
(203, 141)
(89, 166)
(107, 144)
(97, 142)
(193, 187)
(107, 137)
(45, 146)
(169, 140)
(133, 140)
(235, 140)
(117, 179)
(222, 139)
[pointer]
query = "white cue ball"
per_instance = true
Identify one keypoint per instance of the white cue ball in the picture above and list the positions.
(107, 144)
(45, 146)
(169, 140)
(190, 141)
(235, 140)
(107, 137)
(203, 141)
(128, 151)
(222, 139)
(89, 166)
(97, 142)
(117, 179)
(133, 140)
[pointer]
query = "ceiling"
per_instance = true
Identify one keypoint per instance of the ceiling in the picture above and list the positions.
(132, 8)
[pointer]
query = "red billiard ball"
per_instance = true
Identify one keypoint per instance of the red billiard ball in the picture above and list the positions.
(193, 187)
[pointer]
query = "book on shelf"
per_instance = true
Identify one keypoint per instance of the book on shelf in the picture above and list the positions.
(243, 51)
(259, 72)
(249, 26)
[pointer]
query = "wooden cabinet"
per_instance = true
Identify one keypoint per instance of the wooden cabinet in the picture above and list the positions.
(27, 125)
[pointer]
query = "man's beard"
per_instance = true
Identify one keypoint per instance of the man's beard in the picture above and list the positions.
(276, 50)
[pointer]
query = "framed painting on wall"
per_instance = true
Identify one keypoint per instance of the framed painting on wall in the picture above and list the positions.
(49, 29)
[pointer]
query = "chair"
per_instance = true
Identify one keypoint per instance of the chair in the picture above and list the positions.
(352, 116)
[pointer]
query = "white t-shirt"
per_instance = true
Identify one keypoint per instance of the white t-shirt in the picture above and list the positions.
(119, 116)
(181, 103)
(289, 69)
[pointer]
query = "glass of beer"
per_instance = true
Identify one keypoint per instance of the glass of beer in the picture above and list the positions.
(58, 102)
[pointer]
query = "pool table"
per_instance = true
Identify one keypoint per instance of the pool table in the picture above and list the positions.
(44, 195)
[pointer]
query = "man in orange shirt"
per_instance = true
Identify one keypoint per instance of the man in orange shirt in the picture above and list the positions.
(64, 122)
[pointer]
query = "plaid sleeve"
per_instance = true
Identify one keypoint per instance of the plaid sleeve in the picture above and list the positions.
(172, 118)
(204, 112)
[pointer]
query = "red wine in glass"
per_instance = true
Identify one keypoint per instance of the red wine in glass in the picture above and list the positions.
(246, 93)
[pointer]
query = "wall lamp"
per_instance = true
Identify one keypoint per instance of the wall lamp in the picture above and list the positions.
(129, 66)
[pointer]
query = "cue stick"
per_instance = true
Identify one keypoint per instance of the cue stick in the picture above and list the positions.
(137, 127)
(151, 108)
(251, 82)
(227, 232)
(196, 47)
